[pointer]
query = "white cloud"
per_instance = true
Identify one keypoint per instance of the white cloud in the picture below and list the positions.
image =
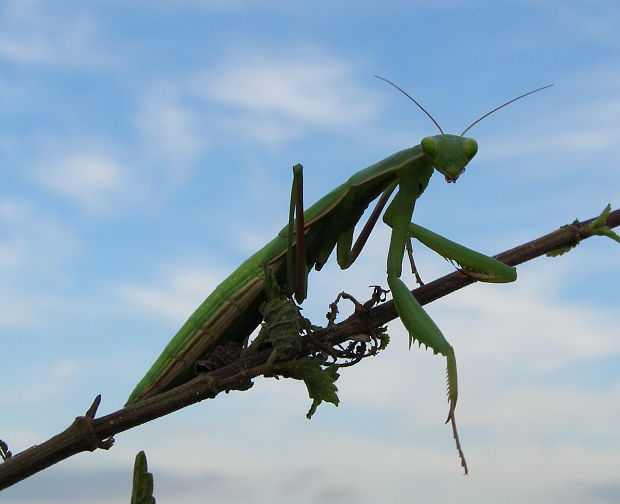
(170, 130)
(94, 182)
(278, 95)
(309, 90)
(179, 292)
(598, 25)
(45, 381)
(24, 227)
(33, 251)
(551, 337)
(264, 130)
(588, 134)
(33, 34)
(15, 310)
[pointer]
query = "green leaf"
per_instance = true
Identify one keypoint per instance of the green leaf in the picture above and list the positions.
(320, 382)
(560, 251)
(384, 338)
(598, 227)
(142, 492)
(321, 385)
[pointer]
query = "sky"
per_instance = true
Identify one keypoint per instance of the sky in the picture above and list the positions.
(146, 150)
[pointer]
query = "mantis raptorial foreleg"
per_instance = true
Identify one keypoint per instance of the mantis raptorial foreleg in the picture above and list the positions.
(474, 264)
(417, 322)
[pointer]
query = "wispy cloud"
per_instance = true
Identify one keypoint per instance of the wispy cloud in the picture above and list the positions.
(552, 337)
(93, 182)
(24, 228)
(32, 33)
(180, 290)
(278, 95)
(43, 383)
(579, 129)
(33, 251)
(170, 131)
(600, 25)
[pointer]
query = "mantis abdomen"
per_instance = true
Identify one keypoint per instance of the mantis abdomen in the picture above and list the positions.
(231, 311)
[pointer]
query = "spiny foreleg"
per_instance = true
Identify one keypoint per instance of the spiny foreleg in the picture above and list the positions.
(417, 322)
(474, 264)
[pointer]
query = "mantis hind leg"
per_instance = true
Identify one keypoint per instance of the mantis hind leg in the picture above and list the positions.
(296, 269)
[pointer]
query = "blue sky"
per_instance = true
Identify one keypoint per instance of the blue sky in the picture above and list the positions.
(146, 150)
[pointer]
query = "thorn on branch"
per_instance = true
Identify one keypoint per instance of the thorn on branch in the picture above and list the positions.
(92, 410)
(84, 426)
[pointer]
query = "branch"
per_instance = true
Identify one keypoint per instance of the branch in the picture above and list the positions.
(87, 433)
(566, 237)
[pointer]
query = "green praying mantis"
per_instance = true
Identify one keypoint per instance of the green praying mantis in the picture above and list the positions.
(231, 311)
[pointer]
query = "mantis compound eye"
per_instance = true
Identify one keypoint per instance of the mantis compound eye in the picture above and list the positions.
(429, 147)
(470, 147)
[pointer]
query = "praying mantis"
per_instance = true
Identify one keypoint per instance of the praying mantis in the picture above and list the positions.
(231, 311)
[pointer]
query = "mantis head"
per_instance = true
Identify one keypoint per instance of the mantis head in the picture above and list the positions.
(449, 154)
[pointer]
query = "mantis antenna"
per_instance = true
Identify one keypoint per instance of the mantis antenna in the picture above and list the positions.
(413, 100)
(477, 120)
(501, 106)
